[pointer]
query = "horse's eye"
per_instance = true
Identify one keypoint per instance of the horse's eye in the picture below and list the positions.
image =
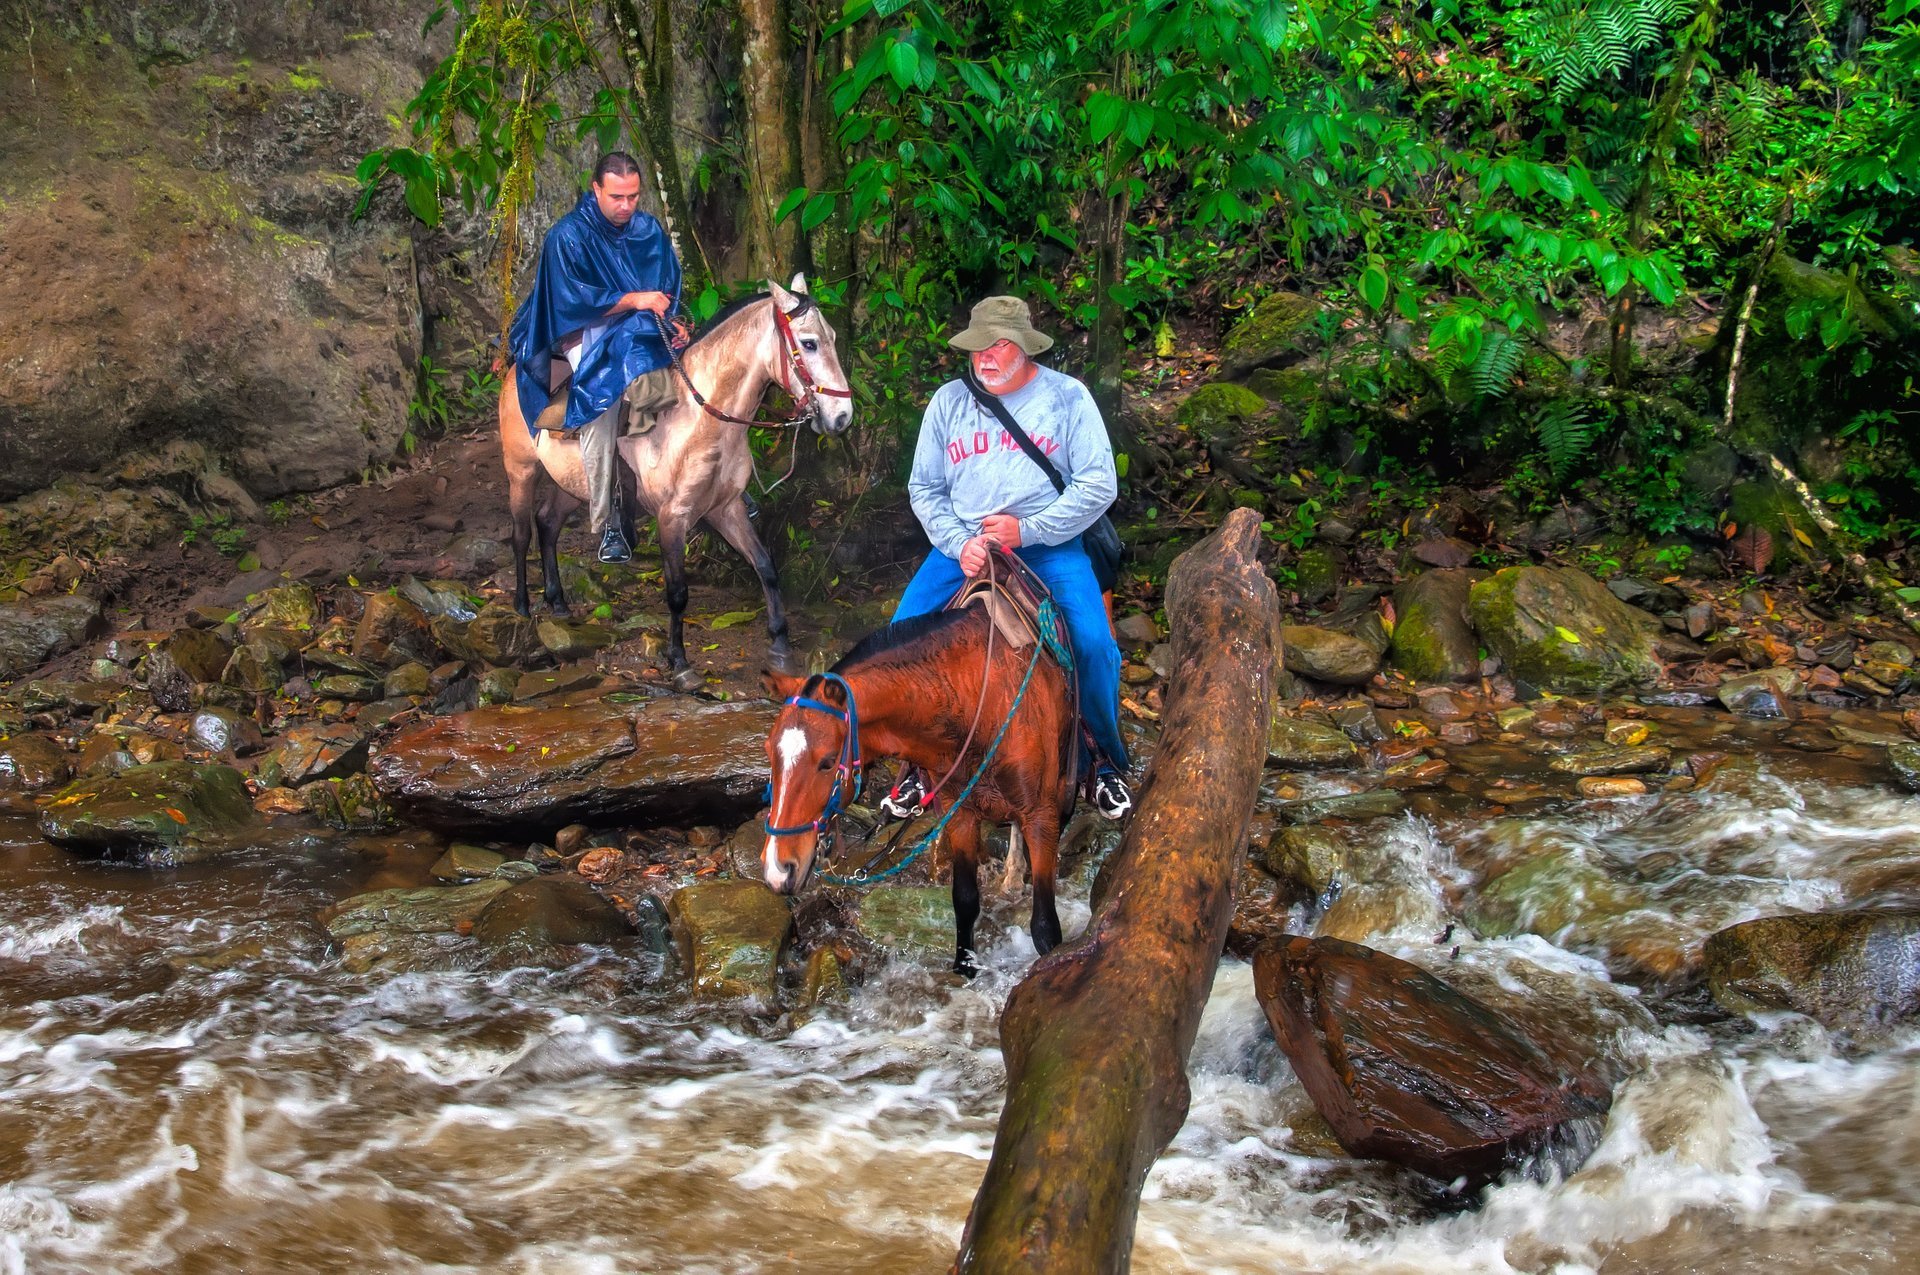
(810, 345)
(826, 763)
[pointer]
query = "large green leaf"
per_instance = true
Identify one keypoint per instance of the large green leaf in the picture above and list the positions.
(1104, 113)
(903, 63)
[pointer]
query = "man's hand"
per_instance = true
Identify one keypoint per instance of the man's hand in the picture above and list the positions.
(654, 301)
(682, 334)
(973, 555)
(1003, 529)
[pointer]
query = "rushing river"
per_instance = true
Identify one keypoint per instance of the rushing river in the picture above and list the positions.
(190, 1082)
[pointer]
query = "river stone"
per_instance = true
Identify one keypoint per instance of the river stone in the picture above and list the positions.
(1327, 656)
(1280, 325)
(350, 804)
(501, 637)
(1355, 806)
(1313, 859)
(399, 931)
(199, 653)
(291, 608)
(463, 862)
(451, 636)
(731, 934)
(1904, 761)
(910, 920)
(1137, 631)
(1394, 904)
(168, 685)
(1559, 894)
(1526, 614)
(324, 750)
(167, 813)
(1316, 574)
(32, 762)
(1766, 693)
(568, 641)
(603, 762)
(1302, 742)
(31, 633)
(254, 667)
(552, 683)
(1406, 1069)
(449, 598)
(411, 678)
(1843, 969)
(1433, 639)
(1612, 759)
(1896, 653)
(224, 731)
(547, 911)
(390, 619)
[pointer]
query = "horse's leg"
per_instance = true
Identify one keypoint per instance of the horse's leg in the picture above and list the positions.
(520, 514)
(522, 464)
(1010, 878)
(673, 563)
(556, 506)
(963, 841)
(1042, 829)
(731, 522)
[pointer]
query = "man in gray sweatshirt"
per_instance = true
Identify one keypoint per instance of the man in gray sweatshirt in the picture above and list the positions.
(973, 487)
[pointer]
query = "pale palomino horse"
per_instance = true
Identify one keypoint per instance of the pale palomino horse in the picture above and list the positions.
(692, 466)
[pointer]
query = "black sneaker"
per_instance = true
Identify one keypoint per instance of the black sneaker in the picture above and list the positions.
(613, 547)
(909, 796)
(1111, 796)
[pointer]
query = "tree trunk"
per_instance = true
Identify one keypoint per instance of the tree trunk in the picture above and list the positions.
(772, 129)
(1666, 116)
(650, 63)
(824, 165)
(1097, 1036)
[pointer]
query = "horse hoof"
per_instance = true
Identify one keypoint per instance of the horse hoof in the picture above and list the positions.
(560, 611)
(786, 663)
(687, 680)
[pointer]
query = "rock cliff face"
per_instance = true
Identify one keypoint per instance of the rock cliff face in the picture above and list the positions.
(186, 278)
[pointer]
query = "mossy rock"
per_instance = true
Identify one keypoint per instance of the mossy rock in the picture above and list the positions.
(1560, 630)
(165, 813)
(912, 921)
(1220, 406)
(731, 935)
(1767, 504)
(1288, 386)
(1433, 640)
(1279, 325)
(1561, 895)
(1316, 574)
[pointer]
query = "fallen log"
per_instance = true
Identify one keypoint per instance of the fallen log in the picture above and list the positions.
(1096, 1038)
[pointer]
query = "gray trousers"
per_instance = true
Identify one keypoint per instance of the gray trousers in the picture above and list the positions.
(600, 453)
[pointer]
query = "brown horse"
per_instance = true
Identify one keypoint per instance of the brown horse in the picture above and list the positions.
(913, 690)
(692, 466)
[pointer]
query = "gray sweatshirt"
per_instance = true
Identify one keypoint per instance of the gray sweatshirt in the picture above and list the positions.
(966, 466)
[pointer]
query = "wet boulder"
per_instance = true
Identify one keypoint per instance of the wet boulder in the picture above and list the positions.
(1561, 631)
(547, 912)
(165, 813)
(222, 730)
(1767, 693)
(33, 632)
(663, 760)
(1433, 638)
(1846, 970)
(397, 931)
(463, 862)
(1328, 656)
(31, 763)
(323, 750)
(1304, 742)
(1904, 761)
(1406, 1069)
(731, 935)
(289, 610)
(390, 621)
(1614, 759)
(1280, 326)
(199, 653)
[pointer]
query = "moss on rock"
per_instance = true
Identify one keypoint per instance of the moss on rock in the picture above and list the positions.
(1274, 328)
(1220, 406)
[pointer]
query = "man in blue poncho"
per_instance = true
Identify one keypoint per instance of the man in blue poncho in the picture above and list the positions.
(606, 270)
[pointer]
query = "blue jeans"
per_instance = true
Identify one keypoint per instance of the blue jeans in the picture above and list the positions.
(1069, 575)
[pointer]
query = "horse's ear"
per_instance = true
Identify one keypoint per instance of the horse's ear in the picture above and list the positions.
(781, 297)
(799, 284)
(780, 686)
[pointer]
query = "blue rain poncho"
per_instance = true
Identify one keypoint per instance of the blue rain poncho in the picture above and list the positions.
(586, 265)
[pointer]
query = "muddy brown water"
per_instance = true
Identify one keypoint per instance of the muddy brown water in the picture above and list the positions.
(189, 1081)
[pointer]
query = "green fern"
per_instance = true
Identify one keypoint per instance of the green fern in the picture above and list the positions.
(1582, 41)
(1566, 433)
(1496, 366)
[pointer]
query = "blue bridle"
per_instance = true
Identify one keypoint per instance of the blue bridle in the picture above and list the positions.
(847, 767)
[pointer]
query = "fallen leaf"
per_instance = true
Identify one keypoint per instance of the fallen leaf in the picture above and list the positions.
(175, 815)
(1567, 634)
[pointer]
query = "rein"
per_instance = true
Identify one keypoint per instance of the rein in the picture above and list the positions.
(794, 372)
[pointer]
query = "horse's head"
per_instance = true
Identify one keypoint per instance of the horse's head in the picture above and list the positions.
(819, 356)
(813, 754)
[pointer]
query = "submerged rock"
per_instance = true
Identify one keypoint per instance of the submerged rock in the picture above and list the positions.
(1327, 656)
(913, 920)
(31, 763)
(1614, 759)
(548, 911)
(463, 862)
(1303, 742)
(1560, 630)
(397, 931)
(1406, 1069)
(1843, 969)
(166, 813)
(731, 935)
(664, 760)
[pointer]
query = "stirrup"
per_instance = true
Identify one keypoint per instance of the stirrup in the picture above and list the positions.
(908, 798)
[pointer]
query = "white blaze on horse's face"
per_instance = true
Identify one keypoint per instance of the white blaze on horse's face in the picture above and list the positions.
(819, 355)
(793, 743)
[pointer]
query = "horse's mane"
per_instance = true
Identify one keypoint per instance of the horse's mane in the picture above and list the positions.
(738, 304)
(899, 636)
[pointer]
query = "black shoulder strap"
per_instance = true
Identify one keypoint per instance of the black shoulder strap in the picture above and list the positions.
(993, 404)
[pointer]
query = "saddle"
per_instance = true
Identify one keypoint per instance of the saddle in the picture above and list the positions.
(1012, 601)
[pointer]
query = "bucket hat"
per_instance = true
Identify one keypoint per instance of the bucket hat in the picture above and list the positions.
(1000, 319)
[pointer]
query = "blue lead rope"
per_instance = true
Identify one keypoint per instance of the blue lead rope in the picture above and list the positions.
(1050, 643)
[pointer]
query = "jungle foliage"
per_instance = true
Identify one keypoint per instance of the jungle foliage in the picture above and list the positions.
(1460, 184)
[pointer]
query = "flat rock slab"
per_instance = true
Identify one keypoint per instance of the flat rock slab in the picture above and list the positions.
(401, 931)
(533, 769)
(1406, 1069)
(548, 911)
(910, 920)
(1845, 970)
(731, 934)
(163, 814)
